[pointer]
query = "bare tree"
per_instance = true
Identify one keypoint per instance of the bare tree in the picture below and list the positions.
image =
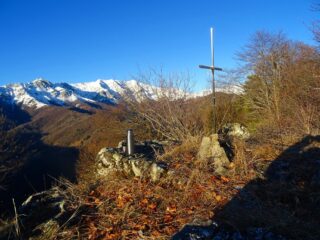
(265, 58)
(281, 74)
(316, 24)
(167, 105)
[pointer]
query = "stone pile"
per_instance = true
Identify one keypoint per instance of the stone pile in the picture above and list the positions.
(141, 164)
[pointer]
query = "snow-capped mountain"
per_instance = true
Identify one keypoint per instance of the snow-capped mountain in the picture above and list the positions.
(231, 89)
(40, 92)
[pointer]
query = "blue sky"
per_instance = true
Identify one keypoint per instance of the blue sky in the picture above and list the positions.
(83, 40)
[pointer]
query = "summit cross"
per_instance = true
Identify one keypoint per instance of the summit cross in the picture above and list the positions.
(213, 68)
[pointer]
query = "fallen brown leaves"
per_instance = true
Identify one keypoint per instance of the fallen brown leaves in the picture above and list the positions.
(134, 208)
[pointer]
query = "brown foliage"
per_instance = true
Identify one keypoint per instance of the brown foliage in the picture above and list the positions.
(283, 88)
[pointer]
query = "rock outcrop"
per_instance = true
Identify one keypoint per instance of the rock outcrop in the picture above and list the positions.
(141, 164)
(42, 214)
(217, 150)
(213, 154)
(207, 230)
(197, 230)
(231, 136)
(234, 130)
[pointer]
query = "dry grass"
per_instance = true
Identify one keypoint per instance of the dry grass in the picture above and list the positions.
(117, 207)
(121, 208)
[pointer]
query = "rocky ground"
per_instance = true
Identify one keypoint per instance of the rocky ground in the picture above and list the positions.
(225, 186)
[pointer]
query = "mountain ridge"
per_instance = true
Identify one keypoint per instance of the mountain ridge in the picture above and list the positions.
(40, 92)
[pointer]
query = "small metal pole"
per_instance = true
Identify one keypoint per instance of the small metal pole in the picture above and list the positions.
(130, 142)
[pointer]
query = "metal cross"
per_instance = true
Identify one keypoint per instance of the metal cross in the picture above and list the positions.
(213, 68)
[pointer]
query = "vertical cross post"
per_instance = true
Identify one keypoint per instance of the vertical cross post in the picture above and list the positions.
(213, 68)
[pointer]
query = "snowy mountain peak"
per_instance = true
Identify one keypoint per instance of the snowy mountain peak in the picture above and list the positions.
(41, 92)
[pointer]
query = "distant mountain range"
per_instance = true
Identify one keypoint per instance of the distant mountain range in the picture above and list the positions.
(40, 92)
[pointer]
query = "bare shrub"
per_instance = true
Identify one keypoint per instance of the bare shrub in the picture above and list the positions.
(169, 109)
(282, 83)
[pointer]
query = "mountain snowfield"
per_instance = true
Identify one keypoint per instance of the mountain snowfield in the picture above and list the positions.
(40, 92)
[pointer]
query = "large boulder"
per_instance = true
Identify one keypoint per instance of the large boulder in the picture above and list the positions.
(213, 154)
(141, 164)
(237, 130)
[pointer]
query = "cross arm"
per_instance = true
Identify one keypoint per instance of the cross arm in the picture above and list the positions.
(210, 67)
